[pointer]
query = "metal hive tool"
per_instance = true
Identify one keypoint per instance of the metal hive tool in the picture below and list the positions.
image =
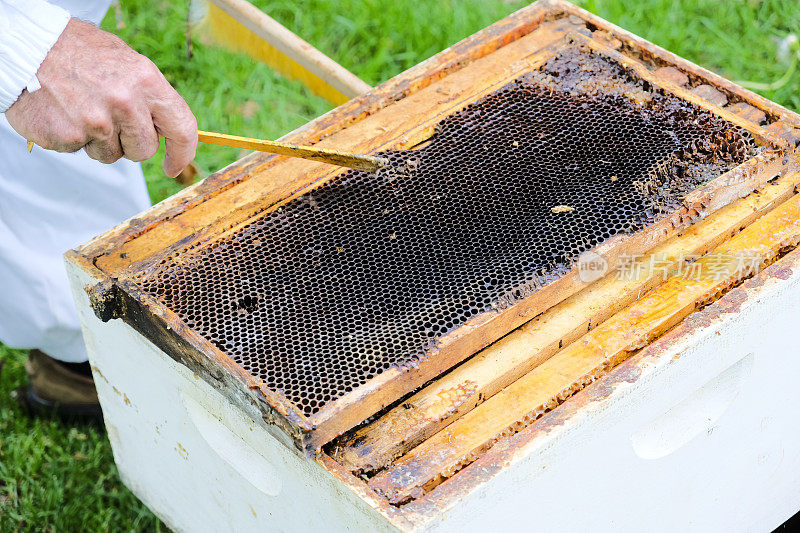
(367, 271)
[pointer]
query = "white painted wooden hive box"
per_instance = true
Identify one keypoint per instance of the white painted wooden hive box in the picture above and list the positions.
(568, 302)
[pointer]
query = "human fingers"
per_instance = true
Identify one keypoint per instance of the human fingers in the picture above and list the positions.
(104, 143)
(174, 121)
(138, 136)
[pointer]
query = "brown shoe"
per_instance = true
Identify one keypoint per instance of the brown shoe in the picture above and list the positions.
(66, 389)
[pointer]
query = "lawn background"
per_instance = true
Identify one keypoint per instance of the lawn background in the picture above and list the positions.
(54, 477)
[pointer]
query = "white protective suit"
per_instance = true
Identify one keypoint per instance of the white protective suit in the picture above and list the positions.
(49, 202)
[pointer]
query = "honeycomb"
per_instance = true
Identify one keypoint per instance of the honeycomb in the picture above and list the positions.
(368, 270)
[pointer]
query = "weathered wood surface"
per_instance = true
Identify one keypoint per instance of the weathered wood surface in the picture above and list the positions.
(580, 363)
(748, 112)
(375, 445)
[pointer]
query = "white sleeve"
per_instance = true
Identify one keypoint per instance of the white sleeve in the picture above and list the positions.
(28, 29)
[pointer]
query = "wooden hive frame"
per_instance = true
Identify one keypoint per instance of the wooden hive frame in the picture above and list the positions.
(400, 114)
(569, 370)
(428, 411)
(477, 442)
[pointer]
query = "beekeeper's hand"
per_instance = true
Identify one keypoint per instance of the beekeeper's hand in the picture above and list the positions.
(100, 95)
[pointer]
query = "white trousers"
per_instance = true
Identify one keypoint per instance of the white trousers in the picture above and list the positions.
(49, 203)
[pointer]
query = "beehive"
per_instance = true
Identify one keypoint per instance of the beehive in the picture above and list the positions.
(398, 326)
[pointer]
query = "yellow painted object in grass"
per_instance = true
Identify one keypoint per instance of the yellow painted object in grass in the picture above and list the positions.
(240, 26)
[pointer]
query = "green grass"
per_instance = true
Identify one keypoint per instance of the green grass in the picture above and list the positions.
(62, 478)
(58, 476)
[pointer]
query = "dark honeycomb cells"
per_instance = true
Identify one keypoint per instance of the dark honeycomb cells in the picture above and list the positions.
(369, 270)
